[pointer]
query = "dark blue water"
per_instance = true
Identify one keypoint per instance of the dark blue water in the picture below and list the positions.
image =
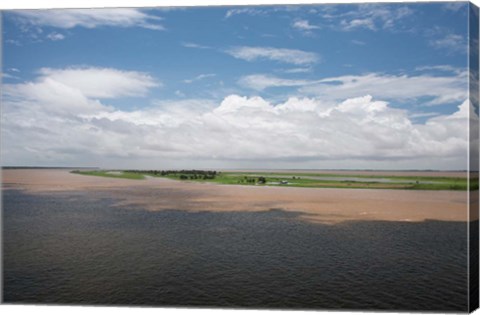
(75, 249)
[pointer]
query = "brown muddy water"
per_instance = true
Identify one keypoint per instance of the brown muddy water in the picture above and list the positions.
(89, 246)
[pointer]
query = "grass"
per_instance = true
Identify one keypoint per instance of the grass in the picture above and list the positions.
(310, 180)
(306, 180)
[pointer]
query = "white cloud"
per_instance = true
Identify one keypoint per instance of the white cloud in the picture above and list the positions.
(5, 75)
(247, 11)
(292, 56)
(304, 25)
(443, 68)
(57, 119)
(171, 113)
(358, 23)
(96, 82)
(55, 36)
(48, 96)
(194, 45)
(450, 43)
(297, 70)
(259, 11)
(301, 132)
(8, 74)
(200, 77)
(371, 16)
(261, 82)
(442, 89)
(60, 97)
(90, 18)
(42, 119)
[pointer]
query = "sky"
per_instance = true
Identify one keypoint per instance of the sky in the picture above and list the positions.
(348, 86)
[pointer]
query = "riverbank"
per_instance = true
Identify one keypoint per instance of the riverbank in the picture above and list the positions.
(327, 205)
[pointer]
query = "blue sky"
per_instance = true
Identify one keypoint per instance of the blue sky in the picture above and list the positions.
(208, 86)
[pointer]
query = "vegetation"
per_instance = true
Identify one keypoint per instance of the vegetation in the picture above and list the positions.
(179, 174)
(310, 180)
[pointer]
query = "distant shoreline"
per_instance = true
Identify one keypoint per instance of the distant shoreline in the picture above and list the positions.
(249, 169)
(328, 205)
(47, 167)
(433, 173)
(367, 172)
(314, 179)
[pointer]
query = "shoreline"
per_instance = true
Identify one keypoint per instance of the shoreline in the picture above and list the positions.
(323, 205)
(399, 173)
(425, 173)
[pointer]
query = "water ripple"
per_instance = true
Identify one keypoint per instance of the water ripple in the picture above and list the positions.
(61, 251)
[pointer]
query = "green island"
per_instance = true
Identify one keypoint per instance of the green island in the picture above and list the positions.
(308, 180)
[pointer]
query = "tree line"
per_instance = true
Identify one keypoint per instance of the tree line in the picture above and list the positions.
(183, 174)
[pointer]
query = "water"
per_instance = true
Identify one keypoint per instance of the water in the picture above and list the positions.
(77, 249)
(368, 180)
(353, 179)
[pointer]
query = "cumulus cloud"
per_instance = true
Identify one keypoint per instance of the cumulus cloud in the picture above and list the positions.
(70, 92)
(91, 82)
(90, 18)
(292, 56)
(49, 122)
(442, 89)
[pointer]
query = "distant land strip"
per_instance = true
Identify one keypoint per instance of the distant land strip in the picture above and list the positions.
(314, 179)
(48, 167)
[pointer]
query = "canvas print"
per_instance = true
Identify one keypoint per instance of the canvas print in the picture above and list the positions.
(319, 156)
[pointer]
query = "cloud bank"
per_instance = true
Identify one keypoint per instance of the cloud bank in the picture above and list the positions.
(62, 119)
(441, 89)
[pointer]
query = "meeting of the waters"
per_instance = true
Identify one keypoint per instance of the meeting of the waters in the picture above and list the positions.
(74, 239)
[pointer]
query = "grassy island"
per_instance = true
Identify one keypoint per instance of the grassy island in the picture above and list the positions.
(309, 180)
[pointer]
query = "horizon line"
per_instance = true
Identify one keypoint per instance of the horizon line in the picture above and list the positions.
(237, 169)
